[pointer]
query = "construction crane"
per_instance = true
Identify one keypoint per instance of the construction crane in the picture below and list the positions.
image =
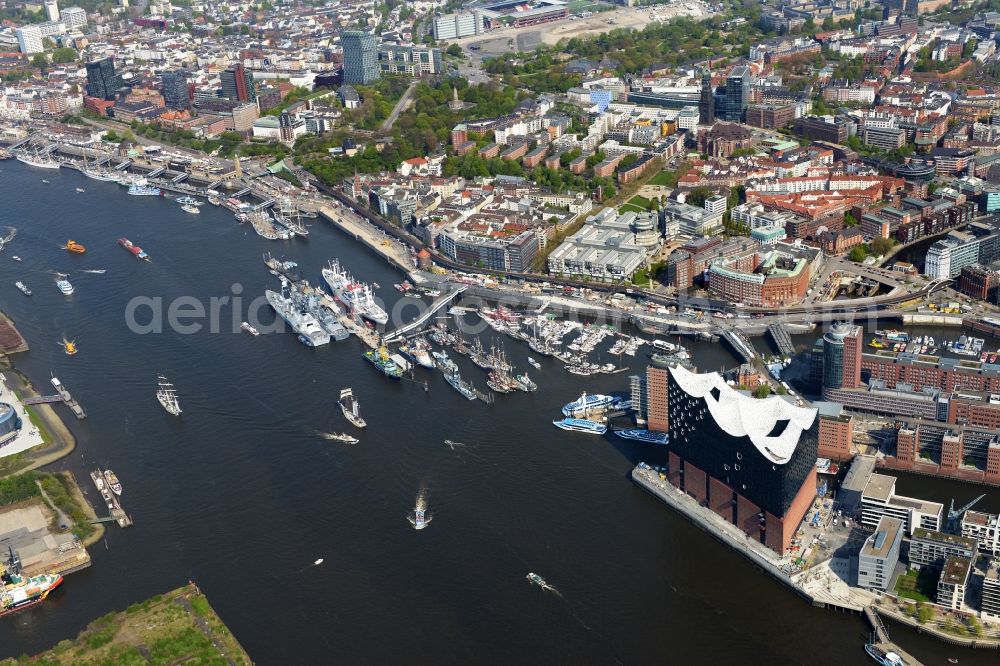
(954, 516)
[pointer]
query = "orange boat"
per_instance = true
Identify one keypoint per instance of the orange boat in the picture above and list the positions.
(75, 247)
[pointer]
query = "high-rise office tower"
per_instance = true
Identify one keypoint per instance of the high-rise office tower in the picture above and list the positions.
(360, 56)
(737, 94)
(175, 89)
(237, 84)
(842, 349)
(102, 81)
(52, 10)
(706, 105)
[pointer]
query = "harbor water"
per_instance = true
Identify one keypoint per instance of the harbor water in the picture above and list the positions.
(242, 494)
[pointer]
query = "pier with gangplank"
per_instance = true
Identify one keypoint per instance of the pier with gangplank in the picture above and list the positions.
(112, 500)
(63, 395)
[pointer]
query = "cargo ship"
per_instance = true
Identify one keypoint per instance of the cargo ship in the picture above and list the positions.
(380, 359)
(355, 295)
(133, 248)
(74, 247)
(18, 592)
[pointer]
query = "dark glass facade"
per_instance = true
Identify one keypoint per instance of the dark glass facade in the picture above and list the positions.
(175, 89)
(736, 461)
(237, 84)
(737, 94)
(102, 81)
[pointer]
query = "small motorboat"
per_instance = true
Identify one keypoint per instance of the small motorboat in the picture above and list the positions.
(16, 258)
(69, 346)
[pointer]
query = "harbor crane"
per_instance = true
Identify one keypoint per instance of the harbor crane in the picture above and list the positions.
(954, 515)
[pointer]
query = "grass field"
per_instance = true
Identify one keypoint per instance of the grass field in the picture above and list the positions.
(664, 178)
(174, 628)
(629, 208)
(913, 585)
(579, 6)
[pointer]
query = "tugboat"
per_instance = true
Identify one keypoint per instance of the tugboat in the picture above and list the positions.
(168, 397)
(23, 287)
(74, 247)
(349, 406)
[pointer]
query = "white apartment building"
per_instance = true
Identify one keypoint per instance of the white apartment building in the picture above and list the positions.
(879, 555)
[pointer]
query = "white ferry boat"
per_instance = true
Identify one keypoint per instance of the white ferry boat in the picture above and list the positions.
(642, 435)
(582, 425)
(586, 403)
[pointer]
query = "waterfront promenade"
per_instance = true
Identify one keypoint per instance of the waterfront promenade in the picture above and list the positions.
(392, 250)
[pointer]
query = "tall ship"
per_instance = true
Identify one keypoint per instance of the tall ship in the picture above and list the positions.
(261, 223)
(381, 360)
(582, 425)
(308, 328)
(355, 295)
(167, 396)
(641, 435)
(18, 591)
(349, 406)
(96, 173)
(144, 191)
(136, 251)
(288, 216)
(587, 403)
(37, 160)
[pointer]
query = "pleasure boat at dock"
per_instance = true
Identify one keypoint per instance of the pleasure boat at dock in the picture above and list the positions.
(23, 287)
(642, 435)
(581, 425)
(587, 403)
(167, 396)
(356, 296)
(65, 287)
(113, 482)
(418, 351)
(883, 657)
(349, 406)
(188, 201)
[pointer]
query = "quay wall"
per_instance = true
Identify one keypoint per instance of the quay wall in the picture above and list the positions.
(932, 320)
